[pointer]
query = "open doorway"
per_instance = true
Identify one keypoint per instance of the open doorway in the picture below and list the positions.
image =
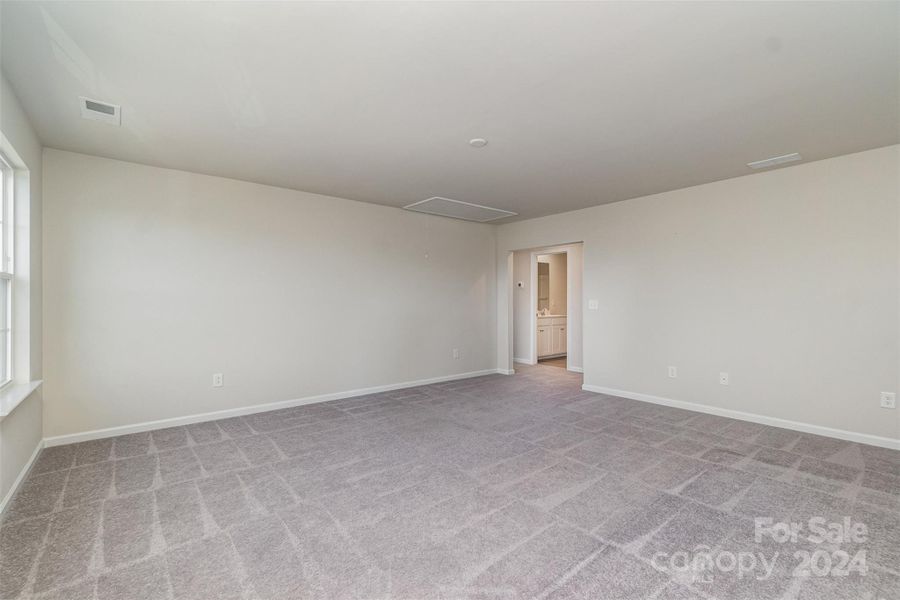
(546, 306)
(551, 309)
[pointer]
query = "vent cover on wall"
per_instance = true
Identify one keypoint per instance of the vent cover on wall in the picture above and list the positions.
(457, 209)
(100, 111)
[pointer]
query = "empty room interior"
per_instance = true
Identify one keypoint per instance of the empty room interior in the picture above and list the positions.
(449, 300)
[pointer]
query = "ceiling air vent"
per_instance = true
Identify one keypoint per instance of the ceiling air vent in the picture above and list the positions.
(457, 209)
(100, 111)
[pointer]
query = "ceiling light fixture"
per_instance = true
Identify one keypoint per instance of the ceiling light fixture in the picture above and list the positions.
(478, 142)
(775, 160)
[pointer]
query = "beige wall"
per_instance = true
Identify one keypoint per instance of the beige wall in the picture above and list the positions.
(20, 435)
(787, 279)
(522, 328)
(20, 431)
(156, 279)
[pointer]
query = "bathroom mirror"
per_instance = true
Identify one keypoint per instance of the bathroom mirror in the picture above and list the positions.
(543, 300)
(551, 283)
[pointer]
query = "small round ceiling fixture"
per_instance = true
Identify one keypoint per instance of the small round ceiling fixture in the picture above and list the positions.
(478, 142)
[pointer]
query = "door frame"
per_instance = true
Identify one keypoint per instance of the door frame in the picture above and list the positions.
(534, 293)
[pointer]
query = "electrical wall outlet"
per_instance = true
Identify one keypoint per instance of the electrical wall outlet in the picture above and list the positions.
(218, 380)
(456, 353)
(723, 378)
(593, 305)
(888, 400)
(673, 372)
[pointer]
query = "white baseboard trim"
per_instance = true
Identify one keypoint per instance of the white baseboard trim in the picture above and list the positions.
(22, 474)
(575, 369)
(97, 434)
(841, 434)
(506, 371)
(523, 361)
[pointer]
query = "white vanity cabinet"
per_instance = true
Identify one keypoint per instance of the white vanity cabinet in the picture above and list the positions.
(543, 339)
(551, 336)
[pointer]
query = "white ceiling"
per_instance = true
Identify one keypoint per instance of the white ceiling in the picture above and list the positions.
(582, 104)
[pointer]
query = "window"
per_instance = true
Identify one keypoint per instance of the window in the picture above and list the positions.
(6, 270)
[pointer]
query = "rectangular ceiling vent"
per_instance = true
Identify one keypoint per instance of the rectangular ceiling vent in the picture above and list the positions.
(775, 160)
(100, 111)
(457, 209)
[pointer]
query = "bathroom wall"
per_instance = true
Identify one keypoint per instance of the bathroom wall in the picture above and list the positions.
(558, 282)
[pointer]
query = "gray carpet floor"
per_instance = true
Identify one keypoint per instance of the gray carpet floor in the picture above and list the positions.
(496, 487)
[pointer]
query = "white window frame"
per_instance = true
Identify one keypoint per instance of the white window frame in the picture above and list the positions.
(7, 271)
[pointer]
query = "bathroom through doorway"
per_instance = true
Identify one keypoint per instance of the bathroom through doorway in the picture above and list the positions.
(551, 309)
